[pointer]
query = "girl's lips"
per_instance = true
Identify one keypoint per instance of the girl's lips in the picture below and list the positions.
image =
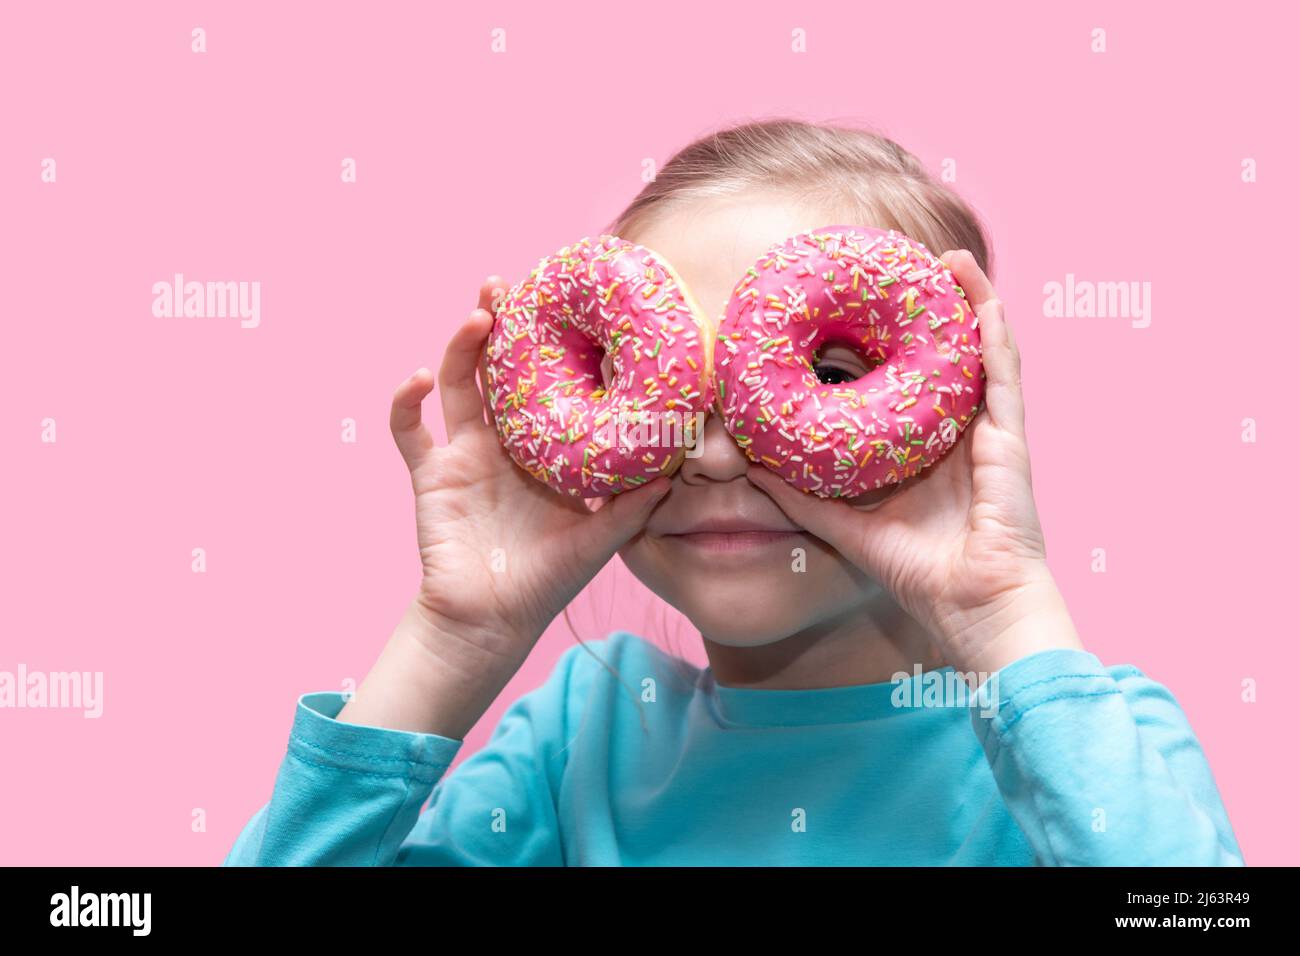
(733, 540)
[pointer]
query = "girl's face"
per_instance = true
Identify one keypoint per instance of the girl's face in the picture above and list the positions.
(717, 547)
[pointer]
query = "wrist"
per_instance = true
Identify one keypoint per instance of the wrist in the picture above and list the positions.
(428, 681)
(1030, 618)
(481, 647)
(485, 641)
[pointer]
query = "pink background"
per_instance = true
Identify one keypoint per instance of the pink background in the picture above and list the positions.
(183, 433)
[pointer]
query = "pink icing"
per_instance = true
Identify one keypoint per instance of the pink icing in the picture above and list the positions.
(597, 296)
(888, 297)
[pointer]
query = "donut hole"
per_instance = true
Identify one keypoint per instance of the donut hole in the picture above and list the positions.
(836, 363)
(582, 359)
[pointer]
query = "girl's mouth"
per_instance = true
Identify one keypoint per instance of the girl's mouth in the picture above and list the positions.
(734, 541)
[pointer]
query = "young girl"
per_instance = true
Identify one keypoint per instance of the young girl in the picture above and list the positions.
(796, 745)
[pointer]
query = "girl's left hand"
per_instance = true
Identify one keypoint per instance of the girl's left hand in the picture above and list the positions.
(959, 546)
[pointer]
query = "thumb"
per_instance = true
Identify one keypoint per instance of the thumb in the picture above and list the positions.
(827, 518)
(621, 516)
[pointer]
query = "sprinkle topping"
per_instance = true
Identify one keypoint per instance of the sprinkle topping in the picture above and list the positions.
(887, 297)
(601, 296)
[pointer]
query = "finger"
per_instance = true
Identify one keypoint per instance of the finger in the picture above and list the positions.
(1003, 396)
(462, 402)
(872, 500)
(621, 516)
(489, 416)
(966, 270)
(490, 293)
(412, 437)
(489, 298)
(824, 517)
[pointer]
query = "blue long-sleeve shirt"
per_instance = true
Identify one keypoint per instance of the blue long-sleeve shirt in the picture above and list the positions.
(1071, 764)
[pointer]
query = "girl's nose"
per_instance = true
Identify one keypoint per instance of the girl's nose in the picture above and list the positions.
(717, 456)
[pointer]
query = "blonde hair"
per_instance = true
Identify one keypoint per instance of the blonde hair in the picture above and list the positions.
(856, 174)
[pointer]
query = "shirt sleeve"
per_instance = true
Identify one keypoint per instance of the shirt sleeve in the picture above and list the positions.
(1100, 767)
(351, 794)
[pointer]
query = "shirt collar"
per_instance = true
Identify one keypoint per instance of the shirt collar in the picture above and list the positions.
(766, 707)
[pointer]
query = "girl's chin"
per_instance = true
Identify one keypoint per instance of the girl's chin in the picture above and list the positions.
(739, 632)
(734, 614)
(748, 597)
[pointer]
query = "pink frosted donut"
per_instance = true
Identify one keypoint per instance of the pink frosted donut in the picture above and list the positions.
(599, 296)
(888, 298)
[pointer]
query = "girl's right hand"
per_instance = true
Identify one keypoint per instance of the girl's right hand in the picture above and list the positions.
(503, 553)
